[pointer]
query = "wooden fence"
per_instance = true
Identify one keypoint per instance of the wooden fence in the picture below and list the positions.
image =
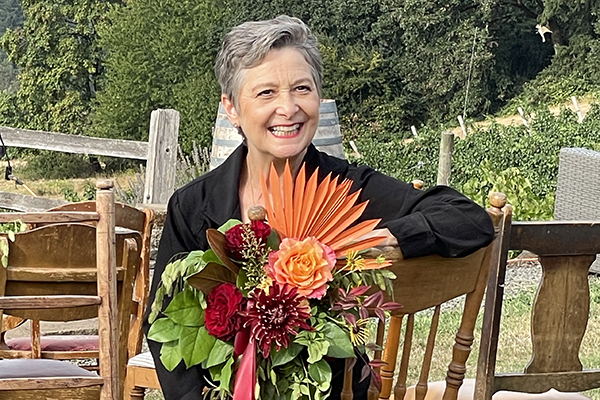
(160, 153)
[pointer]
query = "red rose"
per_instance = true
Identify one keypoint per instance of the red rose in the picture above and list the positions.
(221, 317)
(261, 230)
(234, 241)
(234, 237)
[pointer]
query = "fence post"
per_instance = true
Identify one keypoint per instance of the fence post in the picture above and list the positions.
(162, 156)
(445, 162)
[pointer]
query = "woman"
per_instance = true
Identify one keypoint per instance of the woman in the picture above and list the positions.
(270, 76)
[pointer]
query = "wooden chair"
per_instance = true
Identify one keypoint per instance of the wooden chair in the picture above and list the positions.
(130, 223)
(559, 314)
(428, 282)
(39, 299)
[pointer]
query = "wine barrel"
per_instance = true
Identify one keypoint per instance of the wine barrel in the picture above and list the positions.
(328, 138)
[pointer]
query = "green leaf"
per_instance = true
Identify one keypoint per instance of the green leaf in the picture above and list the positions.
(228, 225)
(194, 263)
(210, 256)
(185, 309)
(196, 344)
(164, 330)
(317, 350)
(285, 355)
(219, 353)
(273, 240)
(226, 375)
(340, 345)
(321, 373)
(4, 260)
(170, 355)
(11, 236)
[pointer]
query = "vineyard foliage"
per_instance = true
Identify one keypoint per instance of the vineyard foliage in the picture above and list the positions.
(517, 160)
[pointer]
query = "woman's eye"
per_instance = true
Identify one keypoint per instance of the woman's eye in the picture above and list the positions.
(303, 88)
(266, 92)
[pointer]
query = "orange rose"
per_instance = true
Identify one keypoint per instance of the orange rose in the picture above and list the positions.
(304, 264)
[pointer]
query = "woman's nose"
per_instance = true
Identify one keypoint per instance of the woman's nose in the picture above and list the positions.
(287, 105)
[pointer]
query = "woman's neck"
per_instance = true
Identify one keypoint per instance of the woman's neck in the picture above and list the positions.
(257, 164)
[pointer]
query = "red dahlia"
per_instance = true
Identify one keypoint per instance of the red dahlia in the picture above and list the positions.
(274, 316)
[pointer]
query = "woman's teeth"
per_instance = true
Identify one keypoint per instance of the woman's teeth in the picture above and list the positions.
(285, 130)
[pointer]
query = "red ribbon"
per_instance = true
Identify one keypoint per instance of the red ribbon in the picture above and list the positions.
(245, 378)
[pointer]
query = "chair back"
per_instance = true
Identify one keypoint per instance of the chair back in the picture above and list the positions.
(565, 250)
(429, 282)
(66, 245)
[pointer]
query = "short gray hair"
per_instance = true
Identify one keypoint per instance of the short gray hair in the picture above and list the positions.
(246, 46)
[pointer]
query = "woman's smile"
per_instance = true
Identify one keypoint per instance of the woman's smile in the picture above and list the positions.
(283, 131)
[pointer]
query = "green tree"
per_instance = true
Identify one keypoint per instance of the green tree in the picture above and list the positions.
(160, 54)
(59, 61)
(11, 16)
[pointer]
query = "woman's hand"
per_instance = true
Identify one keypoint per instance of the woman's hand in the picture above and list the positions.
(390, 240)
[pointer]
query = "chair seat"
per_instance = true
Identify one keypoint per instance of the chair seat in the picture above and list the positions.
(143, 360)
(57, 343)
(40, 368)
(435, 391)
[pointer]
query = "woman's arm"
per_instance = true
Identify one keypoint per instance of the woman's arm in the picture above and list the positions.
(435, 221)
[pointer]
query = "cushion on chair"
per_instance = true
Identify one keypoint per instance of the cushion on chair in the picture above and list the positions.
(57, 343)
(143, 360)
(435, 391)
(40, 368)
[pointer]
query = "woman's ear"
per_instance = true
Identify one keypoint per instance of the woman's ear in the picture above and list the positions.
(230, 110)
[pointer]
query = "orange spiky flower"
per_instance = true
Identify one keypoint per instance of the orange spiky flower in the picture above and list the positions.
(325, 211)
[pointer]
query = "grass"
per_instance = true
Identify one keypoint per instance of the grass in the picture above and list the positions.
(514, 348)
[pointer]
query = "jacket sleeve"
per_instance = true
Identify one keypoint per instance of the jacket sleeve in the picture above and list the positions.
(177, 238)
(439, 220)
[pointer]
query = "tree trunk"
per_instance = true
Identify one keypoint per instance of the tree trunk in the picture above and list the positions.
(557, 35)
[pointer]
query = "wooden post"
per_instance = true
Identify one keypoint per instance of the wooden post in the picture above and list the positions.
(108, 322)
(577, 109)
(522, 114)
(463, 127)
(162, 156)
(445, 162)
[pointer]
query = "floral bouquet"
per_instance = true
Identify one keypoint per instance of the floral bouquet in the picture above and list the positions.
(269, 303)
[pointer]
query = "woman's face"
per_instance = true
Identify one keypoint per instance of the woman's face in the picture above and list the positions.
(278, 106)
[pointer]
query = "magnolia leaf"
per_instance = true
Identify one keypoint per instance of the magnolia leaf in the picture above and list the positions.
(164, 330)
(11, 236)
(340, 345)
(210, 277)
(285, 355)
(321, 373)
(196, 344)
(170, 355)
(185, 309)
(216, 240)
(228, 225)
(219, 353)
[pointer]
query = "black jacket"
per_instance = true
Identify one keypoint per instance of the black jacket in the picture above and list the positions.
(436, 221)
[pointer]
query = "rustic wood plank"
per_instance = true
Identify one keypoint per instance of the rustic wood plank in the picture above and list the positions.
(162, 156)
(74, 143)
(49, 383)
(560, 314)
(542, 382)
(41, 274)
(108, 322)
(47, 302)
(44, 217)
(26, 203)
(556, 237)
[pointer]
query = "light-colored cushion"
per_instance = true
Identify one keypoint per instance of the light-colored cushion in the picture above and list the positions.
(57, 343)
(39, 368)
(435, 391)
(144, 360)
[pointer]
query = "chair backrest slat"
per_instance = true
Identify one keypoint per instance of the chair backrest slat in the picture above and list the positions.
(421, 389)
(400, 388)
